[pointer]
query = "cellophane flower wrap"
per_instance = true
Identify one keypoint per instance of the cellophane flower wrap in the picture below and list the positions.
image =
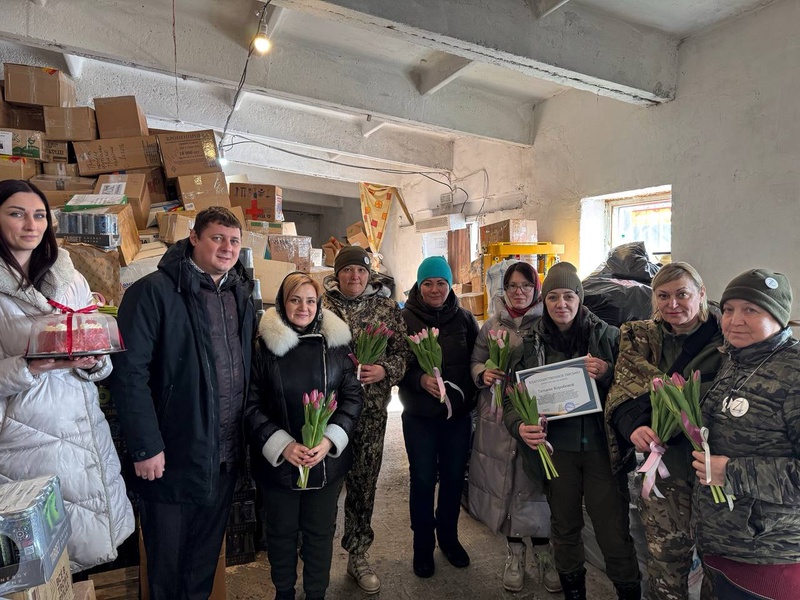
(664, 424)
(370, 346)
(317, 410)
(682, 398)
(528, 409)
(499, 355)
(426, 348)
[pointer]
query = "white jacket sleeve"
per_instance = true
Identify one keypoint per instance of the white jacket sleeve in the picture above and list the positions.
(15, 377)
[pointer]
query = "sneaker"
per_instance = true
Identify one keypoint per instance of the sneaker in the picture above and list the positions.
(543, 555)
(514, 572)
(359, 569)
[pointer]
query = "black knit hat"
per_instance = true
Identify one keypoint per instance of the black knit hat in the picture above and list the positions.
(351, 255)
(767, 289)
(563, 275)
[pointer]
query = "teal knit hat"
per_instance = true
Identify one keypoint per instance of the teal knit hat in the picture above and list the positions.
(434, 266)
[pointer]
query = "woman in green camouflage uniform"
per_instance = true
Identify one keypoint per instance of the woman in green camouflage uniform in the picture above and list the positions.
(753, 417)
(682, 337)
(360, 301)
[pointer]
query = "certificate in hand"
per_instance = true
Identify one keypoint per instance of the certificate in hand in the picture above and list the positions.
(562, 389)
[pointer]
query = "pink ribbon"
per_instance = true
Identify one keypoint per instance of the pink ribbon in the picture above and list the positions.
(442, 392)
(651, 466)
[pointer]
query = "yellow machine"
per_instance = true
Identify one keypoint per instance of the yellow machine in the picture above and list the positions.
(546, 253)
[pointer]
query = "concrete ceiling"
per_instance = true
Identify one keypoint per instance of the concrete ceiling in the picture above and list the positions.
(383, 84)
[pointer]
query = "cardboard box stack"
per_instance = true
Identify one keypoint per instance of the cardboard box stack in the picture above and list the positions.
(510, 230)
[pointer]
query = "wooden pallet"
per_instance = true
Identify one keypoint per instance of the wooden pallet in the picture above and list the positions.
(120, 584)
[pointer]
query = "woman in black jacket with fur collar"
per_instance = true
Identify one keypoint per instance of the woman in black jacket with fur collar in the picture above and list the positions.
(301, 347)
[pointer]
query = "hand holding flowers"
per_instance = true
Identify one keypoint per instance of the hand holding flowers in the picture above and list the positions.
(428, 352)
(534, 431)
(499, 354)
(317, 410)
(664, 426)
(370, 347)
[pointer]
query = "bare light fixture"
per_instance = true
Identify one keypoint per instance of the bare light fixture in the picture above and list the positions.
(221, 150)
(262, 43)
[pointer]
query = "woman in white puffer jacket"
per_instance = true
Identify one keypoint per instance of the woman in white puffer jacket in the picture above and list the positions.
(50, 417)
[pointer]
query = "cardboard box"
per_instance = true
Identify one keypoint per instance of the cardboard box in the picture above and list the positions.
(319, 274)
(291, 248)
(148, 235)
(35, 529)
(156, 184)
(198, 192)
(17, 167)
(59, 152)
(189, 152)
(316, 257)
(259, 201)
(27, 117)
(274, 228)
(134, 187)
(57, 199)
(145, 263)
(271, 274)
(58, 587)
(61, 169)
(473, 302)
(458, 254)
(70, 124)
(53, 183)
(84, 590)
(120, 117)
(331, 249)
(118, 154)
(257, 242)
(37, 86)
(357, 236)
(175, 226)
(510, 230)
(100, 267)
(5, 115)
(22, 142)
(121, 232)
(88, 201)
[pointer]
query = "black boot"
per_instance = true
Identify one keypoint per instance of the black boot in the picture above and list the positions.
(574, 584)
(629, 591)
(288, 595)
(423, 554)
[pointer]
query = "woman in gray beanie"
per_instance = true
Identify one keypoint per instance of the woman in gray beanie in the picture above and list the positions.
(568, 330)
(752, 412)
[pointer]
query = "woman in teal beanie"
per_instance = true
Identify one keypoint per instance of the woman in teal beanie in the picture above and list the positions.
(437, 443)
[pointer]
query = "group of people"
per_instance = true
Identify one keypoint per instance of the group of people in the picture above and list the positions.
(203, 381)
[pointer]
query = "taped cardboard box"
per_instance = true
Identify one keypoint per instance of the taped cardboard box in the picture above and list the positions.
(189, 152)
(291, 248)
(149, 235)
(145, 263)
(17, 167)
(160, 207)
(330, 249)
(271, 274)
(84, 590)
(101, 268)
(204, 184)
(257, 242)
(316, 257)
(27, 117)
(118, 154)
(156, 184)
(272, 227)
(55, 183)
(70, 124)
(34, 530)
(58, 199)
(59, 152)
(5, 114)
(259, 201)
(476, 276)
(58, 587)
(319, 274)
(120, 217)
(510, 230)
(22, 142)
(175, 226)
(357, 236)
(119, 117)
(38, 86)
(134, 187)
(60, 169)
(473, 302)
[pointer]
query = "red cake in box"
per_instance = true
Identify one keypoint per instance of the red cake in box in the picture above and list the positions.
(75, 333)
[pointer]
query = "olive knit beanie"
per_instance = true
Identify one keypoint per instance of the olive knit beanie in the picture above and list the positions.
(767, 289)
(351, 255)
(563, 275)
(434, 266)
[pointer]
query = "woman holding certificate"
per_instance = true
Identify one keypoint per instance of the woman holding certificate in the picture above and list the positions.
(683, 336)
(566, 331)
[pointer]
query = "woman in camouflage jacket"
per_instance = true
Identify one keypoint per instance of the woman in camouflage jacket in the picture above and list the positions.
(753, 417)
(360, 301)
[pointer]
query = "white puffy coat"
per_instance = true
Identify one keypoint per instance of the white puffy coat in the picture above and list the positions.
(52, 423)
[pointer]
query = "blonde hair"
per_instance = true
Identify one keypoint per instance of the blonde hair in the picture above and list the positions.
(294, 280)
(673, 272)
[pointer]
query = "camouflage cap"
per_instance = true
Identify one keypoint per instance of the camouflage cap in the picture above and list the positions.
(768, 289)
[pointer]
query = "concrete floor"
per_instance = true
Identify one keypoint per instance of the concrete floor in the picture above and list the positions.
(391, 553)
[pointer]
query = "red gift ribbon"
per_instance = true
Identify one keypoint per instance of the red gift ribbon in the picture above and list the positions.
(69, 312)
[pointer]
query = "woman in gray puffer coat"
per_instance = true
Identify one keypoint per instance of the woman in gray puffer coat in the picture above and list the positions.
(501, 496)
(50, 417)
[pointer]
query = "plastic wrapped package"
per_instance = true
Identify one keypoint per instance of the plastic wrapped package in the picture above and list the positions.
(73, 334)
(291, 248)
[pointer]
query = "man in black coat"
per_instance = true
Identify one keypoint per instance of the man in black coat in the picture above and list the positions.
(179, 391)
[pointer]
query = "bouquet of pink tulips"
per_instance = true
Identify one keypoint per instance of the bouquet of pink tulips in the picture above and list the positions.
(317, 410)
(682, 399)
(370, 346)
(499, 355)
(525, 404)
(425, 346)
(665, 424)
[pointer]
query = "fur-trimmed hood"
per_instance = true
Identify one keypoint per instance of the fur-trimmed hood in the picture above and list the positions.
(280, 338)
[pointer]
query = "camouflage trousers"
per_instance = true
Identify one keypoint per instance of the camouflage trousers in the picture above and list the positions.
(362, 480)
(667, 528)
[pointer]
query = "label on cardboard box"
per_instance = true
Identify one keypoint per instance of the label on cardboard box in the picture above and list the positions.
(80, 201)
(189, 152)
(22, 142)
(58, 587)
(112, 188)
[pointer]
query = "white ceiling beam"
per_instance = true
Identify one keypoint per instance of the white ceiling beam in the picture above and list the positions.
(438, 71)
(39, 2)
(207, 53)
(74, 64)
(370, 126)
(577, 46)
(542, 8)
(274, 19)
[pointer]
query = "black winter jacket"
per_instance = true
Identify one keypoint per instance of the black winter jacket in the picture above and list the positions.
(458, 331)
(165, 385)
(286, 365)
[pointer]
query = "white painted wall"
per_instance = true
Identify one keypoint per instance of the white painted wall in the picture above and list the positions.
(729, 144)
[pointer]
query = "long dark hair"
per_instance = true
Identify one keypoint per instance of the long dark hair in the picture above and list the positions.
(574, 341)
(45, 254)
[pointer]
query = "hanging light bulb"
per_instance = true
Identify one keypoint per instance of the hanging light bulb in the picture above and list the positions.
(262, 43)
(222, 160)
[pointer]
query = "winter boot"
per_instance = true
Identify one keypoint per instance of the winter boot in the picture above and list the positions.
(424, 544)
(629, 591)
(514, 572)
(574, 584)
(548, 576)
(359, 569)
(454, 552)
(288, 595)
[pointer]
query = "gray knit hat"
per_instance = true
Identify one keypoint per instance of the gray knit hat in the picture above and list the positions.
(563, 275)
(767, 289)
(351, 255)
